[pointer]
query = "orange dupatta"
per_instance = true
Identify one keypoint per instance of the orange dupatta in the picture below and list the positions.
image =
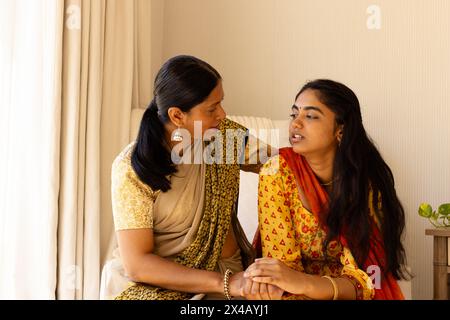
(318, 200)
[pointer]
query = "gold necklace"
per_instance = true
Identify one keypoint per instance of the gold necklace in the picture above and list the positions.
(327, 184)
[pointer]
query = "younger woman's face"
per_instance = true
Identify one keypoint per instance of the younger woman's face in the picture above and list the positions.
(313, 129)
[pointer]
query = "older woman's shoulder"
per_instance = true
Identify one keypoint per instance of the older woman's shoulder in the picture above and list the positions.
(125, 154)
(230, 124)
(123, 172)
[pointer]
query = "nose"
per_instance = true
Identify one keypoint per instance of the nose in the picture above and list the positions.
(221, 114)
(297, 122)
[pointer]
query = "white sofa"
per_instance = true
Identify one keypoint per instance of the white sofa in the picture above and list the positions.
(247, 209)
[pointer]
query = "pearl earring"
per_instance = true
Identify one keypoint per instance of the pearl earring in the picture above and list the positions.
(176, 136)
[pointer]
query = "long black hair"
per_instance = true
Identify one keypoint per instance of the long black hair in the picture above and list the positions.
(183, 81)
(359, 166)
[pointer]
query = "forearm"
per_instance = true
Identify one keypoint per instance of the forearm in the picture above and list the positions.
(321, 288)
(161, 272)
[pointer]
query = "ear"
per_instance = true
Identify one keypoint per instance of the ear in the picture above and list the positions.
(339, 132)
(177, 116)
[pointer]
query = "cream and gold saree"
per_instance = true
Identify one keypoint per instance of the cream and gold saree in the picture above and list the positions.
(190, 222)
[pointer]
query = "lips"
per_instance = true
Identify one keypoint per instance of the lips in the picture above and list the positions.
(296, 137)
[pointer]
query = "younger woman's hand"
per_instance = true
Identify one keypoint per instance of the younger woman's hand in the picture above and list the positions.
(274, 272)
(260, 291)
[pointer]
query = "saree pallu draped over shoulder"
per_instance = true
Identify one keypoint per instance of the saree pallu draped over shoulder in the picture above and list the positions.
(318, 199)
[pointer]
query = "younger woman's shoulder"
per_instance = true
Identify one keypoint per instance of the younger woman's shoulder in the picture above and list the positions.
(274, 166)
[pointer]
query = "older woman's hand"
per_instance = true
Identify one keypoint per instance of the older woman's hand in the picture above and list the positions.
(245, 287)
(260, 291)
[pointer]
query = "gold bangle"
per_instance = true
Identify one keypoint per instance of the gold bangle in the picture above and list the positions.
(226, 288)
(335, 287)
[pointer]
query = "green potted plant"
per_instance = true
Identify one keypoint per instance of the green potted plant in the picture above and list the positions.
(439, 218)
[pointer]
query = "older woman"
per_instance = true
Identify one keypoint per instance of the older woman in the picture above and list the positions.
(175, 219)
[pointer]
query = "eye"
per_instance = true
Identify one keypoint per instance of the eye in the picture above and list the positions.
(311, 116)
(293, 115)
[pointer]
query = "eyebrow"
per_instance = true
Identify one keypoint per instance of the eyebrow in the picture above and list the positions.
(306, 108)
(216, 103)
(213, 104)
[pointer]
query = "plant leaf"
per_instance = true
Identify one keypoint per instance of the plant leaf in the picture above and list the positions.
(444, 209)
(425, 210)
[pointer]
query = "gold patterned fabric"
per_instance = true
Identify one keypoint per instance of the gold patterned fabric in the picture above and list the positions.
(220, 199)
(174, 216)
(132, 200)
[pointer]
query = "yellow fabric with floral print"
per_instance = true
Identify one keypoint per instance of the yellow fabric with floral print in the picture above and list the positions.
(291, 233)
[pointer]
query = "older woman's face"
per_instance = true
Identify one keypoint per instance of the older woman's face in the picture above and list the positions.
(210, 112)
(313, 129)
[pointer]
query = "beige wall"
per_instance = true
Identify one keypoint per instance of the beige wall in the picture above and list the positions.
(266, 49)
(157, 34)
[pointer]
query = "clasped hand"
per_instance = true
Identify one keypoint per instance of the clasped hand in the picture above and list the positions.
(266, 279)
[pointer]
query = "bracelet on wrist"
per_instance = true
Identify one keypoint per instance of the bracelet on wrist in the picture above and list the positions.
(226, 283)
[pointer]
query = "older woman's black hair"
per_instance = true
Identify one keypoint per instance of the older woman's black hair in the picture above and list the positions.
(359, 166)
(184, 82)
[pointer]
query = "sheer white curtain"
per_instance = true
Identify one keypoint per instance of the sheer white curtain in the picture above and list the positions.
(70, 73)
(30, 71)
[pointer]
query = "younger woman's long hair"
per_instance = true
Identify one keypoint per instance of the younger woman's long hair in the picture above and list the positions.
(358, 166)
(183, 81)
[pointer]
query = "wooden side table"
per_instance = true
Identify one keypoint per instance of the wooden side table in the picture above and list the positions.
(441, 268)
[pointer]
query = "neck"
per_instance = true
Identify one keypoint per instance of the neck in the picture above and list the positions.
(322, 166)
